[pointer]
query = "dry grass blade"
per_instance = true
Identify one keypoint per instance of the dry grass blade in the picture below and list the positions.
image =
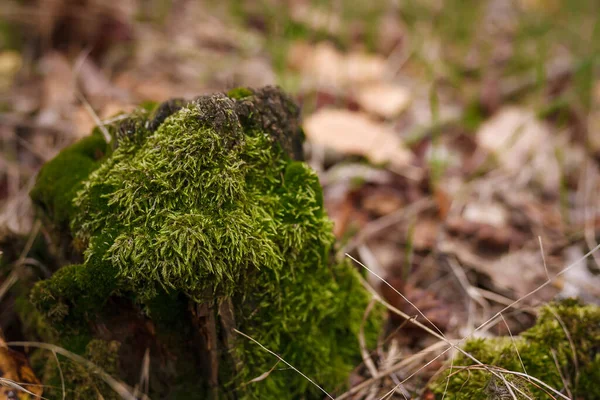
(361, 340)
(571, 344)
(119, 387)
(448, 377)
(512, 339)
(508, 387)
(264, 375)
(394, 368)
(285, 362)
(62, 377)
(18, 386)
(387, 221)
(144, 383)
(544, 258)
(469, 289)
(400, 294)
(560, 373)
(81, 97)
(16, 268)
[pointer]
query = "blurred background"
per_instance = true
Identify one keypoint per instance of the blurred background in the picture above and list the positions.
(458, 142)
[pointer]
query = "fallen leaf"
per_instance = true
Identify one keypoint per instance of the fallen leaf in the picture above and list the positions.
(355, 133)
(424, 302)
(58, 89)
(513, 134)
(425, 233)
(382, 200)
(255, 72)
(522, 144)
(383, 99)
(15, 367)
(10, 63)
(362, 67)
(490, 213)
(316, 18)
(323, 65)
(519, 271)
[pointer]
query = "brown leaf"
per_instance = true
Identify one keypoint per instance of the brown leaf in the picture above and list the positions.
(317, 18)
(355, 133)
(59, 89)
(425, 233)
(424, 300)
(518, 271)
(10, 64)
(383, 99)
(382, 200)
(15, 367)
(323, 65)
(520, 142)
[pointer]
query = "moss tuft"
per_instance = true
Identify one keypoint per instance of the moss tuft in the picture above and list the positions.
(563, 346)
(239, 93)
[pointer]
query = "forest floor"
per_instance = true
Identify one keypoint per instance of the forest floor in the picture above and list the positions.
(458, 142)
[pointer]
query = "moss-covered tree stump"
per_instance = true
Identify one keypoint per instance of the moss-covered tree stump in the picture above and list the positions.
(197, 219)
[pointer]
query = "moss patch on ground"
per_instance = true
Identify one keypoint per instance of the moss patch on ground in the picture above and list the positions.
(562, 350)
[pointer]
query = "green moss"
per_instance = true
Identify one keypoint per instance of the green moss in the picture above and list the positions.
(566, 337)
(239, 93)
(60, 178)
(34, 325)
(203, 200)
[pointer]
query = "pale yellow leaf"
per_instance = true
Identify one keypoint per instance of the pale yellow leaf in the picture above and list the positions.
(383, 99)
(355, 133)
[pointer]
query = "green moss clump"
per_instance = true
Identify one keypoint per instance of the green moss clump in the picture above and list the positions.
(564, 345)
(61, 178)
(207, 199)
(239, 93)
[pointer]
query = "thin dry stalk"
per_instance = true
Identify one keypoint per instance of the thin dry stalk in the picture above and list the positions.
(512, 339)
(560, 373)
(144, 383)
(62, 377)
(362, 342)
(18, 386)
(389, 220)
(469, 289)
(543, 258)
(571, 343)
(16, 267)
(448, 377)
(440, 333)
(394, 368)
(88, 107)
(285, 362)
